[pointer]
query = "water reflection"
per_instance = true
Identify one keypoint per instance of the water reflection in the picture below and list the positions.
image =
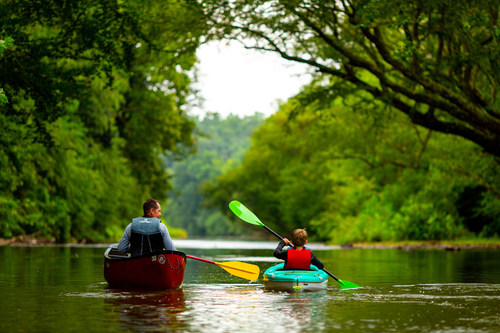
(303, 309)
(146, 311)
(56, 290)
(455, 307)
(250, 308)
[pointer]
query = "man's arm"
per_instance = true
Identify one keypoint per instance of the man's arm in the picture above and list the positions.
(124, 244)
(167, 241)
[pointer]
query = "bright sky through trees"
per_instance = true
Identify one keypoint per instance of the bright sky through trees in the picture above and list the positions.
(236, 80)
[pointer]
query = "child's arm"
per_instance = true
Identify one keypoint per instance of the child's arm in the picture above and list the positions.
(316, 262)
(278, 252)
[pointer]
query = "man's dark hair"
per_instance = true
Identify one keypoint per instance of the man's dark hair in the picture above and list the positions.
(150, 204)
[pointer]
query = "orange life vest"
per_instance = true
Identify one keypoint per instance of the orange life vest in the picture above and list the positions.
(298, 259)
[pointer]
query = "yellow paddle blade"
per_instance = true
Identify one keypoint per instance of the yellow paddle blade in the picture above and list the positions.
(241, 269)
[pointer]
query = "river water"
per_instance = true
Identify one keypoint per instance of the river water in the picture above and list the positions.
(62, 289)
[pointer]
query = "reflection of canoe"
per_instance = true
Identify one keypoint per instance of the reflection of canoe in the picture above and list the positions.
(163, 270)
(276, 278)
(144, 310)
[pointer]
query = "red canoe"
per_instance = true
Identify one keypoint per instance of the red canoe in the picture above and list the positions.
(164, 270)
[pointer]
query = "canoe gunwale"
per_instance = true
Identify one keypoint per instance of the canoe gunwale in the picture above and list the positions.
(114, 255)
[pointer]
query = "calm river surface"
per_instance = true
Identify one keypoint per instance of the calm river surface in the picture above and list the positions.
(62, 289)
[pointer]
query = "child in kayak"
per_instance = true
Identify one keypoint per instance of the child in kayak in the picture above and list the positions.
(298, 257)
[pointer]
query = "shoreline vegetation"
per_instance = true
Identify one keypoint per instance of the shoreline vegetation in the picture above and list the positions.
(446, 245)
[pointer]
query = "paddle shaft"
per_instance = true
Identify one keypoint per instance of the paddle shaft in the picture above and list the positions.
(200, 259)
(277, 235)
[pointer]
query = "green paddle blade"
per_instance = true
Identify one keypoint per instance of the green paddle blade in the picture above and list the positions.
(244, 213)
(347, 285)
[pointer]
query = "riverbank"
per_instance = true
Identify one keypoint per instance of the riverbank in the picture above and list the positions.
(446, 245)
(27, 240)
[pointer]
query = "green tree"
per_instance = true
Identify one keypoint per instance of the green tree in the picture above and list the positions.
(4, 44)
(434, 61)
(352, 170)
(96, 93)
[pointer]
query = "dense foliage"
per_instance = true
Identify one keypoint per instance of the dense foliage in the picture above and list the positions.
(4, 44)
(435, 61)
(352, 171)
(221, 144)
(95, 94)
(397, 138)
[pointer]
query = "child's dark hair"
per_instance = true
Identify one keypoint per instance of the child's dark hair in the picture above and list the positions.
(299, 237)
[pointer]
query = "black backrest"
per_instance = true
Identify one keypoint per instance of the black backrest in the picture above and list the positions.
(142, 244)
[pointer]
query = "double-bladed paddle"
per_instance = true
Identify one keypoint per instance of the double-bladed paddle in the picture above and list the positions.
(246, 215)
(236, 268)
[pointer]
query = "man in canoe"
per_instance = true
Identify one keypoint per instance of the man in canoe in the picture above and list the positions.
(146, 234)
(298, 257)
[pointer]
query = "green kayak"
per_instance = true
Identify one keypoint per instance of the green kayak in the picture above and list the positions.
(277, 278)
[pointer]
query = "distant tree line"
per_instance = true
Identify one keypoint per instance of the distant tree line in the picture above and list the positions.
(221, 144)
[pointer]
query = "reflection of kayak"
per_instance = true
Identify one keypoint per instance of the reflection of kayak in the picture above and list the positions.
(276, 278)
(163, 270)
